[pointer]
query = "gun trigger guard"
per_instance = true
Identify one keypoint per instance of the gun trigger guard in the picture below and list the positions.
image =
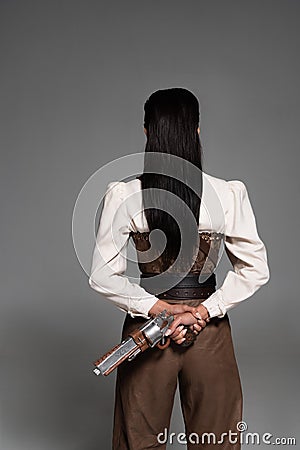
(165, 345)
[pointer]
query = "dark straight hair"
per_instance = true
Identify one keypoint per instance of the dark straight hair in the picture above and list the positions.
(171, 120)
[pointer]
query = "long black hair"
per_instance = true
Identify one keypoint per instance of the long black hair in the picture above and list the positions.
(171, 120)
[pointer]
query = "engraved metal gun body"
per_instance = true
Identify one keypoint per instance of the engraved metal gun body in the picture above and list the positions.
(150, 334)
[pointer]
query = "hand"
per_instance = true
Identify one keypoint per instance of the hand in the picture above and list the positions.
(172, 309)
(205, 315)
(177, 329)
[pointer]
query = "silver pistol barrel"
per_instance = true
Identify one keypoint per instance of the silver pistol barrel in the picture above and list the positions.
(126, 347)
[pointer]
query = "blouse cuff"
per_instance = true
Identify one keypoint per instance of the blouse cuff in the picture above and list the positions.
(215, 304)
(141, 307)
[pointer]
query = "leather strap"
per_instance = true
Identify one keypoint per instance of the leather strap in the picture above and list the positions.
(188, 287)
(187, 293)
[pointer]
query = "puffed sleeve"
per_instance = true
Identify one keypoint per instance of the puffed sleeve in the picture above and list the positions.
(109, 256)
(246, 252)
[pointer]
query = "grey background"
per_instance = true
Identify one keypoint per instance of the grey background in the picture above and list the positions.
(74, 77)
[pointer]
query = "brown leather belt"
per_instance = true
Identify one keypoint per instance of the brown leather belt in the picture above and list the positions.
(188, 287)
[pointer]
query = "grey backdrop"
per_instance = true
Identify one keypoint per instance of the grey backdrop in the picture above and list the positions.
(74, 77)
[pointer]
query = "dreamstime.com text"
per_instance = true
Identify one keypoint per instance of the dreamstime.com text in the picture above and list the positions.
(240, 435)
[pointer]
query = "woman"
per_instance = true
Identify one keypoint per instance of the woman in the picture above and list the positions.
(173, 196)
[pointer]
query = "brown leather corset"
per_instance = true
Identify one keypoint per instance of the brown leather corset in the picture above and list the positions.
(199, 279)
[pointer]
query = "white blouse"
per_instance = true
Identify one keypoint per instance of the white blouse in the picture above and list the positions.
(225, 207)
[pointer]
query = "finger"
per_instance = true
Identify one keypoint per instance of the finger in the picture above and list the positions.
(202, 323)
(197, 327)
(181, 341)
(196, 313)
(177, 331)
(176, 322)
(180, 336)
(197, 330)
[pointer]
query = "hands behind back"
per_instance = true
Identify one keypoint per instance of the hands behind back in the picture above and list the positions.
(184, 315)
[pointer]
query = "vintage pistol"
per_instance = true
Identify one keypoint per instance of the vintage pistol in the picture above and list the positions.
(150, 334)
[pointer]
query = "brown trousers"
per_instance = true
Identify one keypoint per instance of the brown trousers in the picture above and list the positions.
(209, 387)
